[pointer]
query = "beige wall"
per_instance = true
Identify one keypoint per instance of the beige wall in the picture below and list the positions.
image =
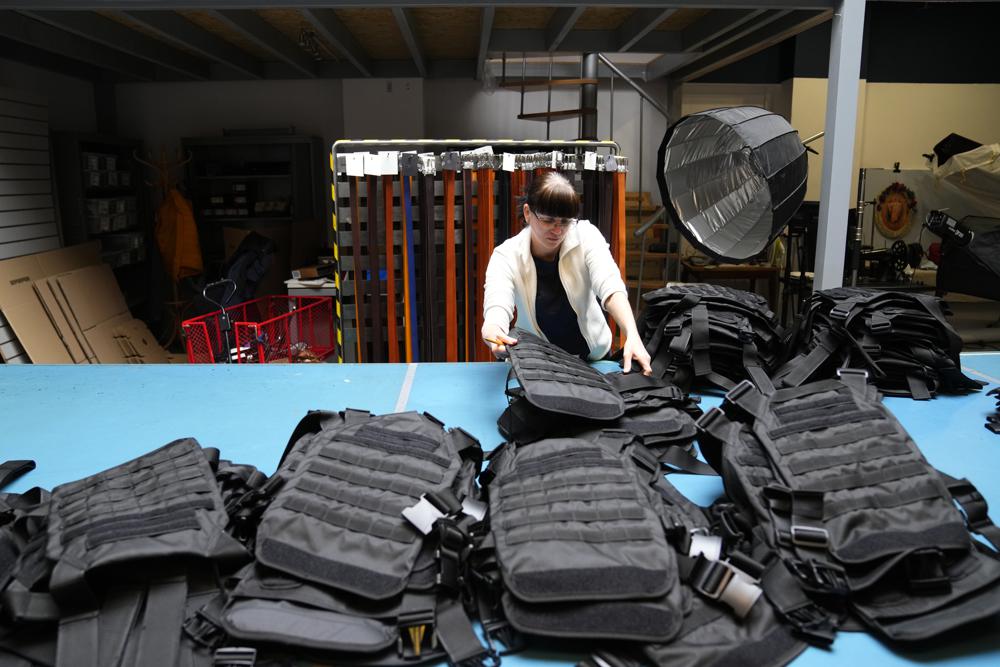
(896, 122)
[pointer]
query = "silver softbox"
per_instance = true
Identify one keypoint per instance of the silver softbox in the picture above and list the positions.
(731, 178)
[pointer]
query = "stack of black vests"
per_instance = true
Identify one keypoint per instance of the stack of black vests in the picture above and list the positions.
(707, 335)
(902, 339)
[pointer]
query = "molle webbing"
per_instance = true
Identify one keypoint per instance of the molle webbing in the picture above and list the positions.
(554, 380)
(845, 497)
(337, 520)
(579, 538)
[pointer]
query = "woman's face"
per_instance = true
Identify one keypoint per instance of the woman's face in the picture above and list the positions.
(547, 233)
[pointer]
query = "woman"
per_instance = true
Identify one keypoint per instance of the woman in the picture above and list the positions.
(558, 273)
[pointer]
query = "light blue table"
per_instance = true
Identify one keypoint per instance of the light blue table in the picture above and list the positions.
(75, 421)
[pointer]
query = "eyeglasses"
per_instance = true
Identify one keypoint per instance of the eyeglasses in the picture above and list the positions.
(550, 222)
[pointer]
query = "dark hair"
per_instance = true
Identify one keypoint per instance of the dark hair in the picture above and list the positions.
(551, 194)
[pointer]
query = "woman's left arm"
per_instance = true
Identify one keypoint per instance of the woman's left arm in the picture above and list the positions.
(633, 349)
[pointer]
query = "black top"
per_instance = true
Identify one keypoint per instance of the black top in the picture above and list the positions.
(555, 317)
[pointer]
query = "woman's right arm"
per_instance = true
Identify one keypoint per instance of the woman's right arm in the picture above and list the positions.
(498, 304)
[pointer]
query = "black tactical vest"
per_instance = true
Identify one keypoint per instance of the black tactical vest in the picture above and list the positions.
(843, 495)
(709, 335)
(901, 339)
(361, 548)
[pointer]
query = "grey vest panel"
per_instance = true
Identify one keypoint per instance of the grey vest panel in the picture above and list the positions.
(163, 504)
(554, 380)
(852, 507)
(579, 539)
(337, 518)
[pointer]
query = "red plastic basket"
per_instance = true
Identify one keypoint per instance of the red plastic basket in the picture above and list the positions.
(265, 330)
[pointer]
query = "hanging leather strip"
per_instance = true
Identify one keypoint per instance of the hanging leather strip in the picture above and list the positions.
(450, 291)
(390, 271)
(356, 273)
(374, 282)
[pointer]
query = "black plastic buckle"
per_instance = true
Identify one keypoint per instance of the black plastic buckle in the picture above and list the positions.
(453, 549)
(879, 325)
(708, 421)
(234, 656)
(839, 312)
(416, 632)
(925, 572)
(977, 512)
(737, 392)
(203, 631)
(821, 577)
(813, 624)
(810, 537)
(710, 577)
(501, 632)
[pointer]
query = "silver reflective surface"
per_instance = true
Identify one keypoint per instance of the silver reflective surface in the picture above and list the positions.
(731, 179)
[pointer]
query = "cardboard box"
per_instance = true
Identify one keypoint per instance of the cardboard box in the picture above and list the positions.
(314, 271)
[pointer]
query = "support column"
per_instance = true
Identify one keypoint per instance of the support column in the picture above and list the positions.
(588, 97)
(838, 143)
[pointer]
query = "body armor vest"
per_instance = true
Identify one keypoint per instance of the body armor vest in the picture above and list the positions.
(844, 496)
(707, 334)
(360, 551)
(901, 339)
(114, 562)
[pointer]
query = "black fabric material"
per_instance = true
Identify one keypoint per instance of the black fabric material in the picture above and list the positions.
(11, 470)
(708, 335)
(561, 390)
(902, 340)
(857, 515)
(553, 312)
(595, 620)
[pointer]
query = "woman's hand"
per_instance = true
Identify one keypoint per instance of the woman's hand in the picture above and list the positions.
(634, 350)
(498, 340)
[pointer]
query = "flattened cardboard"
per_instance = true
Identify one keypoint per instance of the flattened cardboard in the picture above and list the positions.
(71, 318)
(104, 342)
(27, 317)
(93, 295)
(142, 342)
(62, 327)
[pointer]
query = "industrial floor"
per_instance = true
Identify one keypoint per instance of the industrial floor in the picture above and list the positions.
(75, 421)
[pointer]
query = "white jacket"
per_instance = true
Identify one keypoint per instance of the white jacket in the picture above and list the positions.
(586, 269)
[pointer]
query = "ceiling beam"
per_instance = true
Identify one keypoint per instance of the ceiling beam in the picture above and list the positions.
(267, 37)
(333, 30)
(404, 20)
(559, 26)
(639, 24)
(485, 31)
(53, 62)
(719, 40)
(584, 41)
(114, 35)
(715, 24)
(179, 30)
(34, 33)
(264, 4)
(775, 32)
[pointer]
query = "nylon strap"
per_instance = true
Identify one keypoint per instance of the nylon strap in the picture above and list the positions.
(164, 615)
(484, 245)
(359, 319)
(450, 292)
(429, 297)
(410, 278)
(11, 470)
(390, 271)
(374, 282)
(458, 638)
(77, 645)
(468, 247)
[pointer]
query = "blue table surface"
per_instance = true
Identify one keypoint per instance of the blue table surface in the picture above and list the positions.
(78, 420)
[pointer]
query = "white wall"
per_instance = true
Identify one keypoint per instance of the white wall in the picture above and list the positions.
(160, 114)
(384, 109)
(463, 109)
(70, 100)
